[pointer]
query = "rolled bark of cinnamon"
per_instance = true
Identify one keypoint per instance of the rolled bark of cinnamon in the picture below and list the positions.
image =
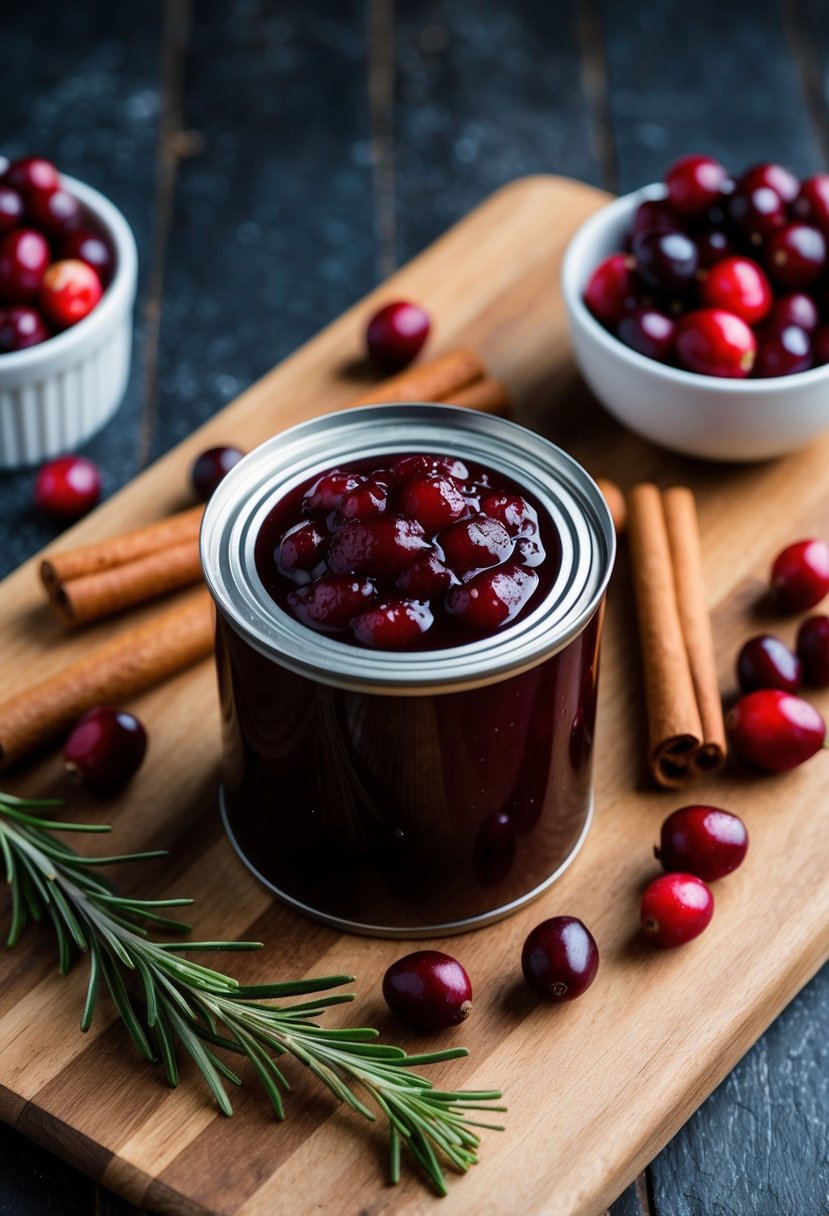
(435, 380)
(106, 592)
(487, 395)
(119, 669)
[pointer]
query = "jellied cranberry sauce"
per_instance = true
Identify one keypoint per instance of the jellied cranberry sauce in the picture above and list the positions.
(419, 551)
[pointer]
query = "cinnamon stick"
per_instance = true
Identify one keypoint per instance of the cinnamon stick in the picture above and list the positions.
(488, 395)
(106, 592)
(119, 669)
(615, 500)
(435, 380)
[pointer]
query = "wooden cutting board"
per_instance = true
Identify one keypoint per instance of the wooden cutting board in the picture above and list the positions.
(594, 1088)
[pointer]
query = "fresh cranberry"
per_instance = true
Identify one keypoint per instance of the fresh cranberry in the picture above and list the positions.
(332, 602)
(560, 958)
(11, 209)
(513, 511)
(302, 547)
(796, 309)
(675, 909)
(491, 598)
(433, 500)
(32, 175)
(611, 289)
(766, 662)
(369, 498)
(211, 467)
(68, 487)
(411, 466)
(105, 749)
(666, 261)
(325, 494)
(384, 546)
(694, 184)
(820, 346)
(428, 990)
(649, 332)
(776, 177)
(57, 213)
(796, 256)
(24, 257)
(396, 334)
(69, 291)
(393, 624)
(740, 286)
(813, 650)
(21, 327)
(800, 575)
(88, 247)
(654, 215)
(775, 730)
(756, 212)
(812, 203)
(714, 342)
(704, 841)
(472, 544)
(712, 246)
(782, 351)
(427, 577)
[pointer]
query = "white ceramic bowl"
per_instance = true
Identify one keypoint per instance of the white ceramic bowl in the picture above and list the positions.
(56, 395)
(700, 415)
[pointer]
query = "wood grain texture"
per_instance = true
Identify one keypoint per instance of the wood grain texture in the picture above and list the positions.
(594, 1090)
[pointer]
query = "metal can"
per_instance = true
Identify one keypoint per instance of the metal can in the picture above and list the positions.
(418, 792)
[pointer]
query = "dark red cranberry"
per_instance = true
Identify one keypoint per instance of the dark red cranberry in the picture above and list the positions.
(776, 177)
(396, 334)
(24, 257)
(704, 841)
(491, 598)
(325, 494)
(11, 209)
(795, 309)
(88, 247)
(211, 467)
(740, 286)
(712, 246)
(68, 487)
(426, 578)
(766, 662)
(649, 332)
(654, 215)
(434, 501)
(675, 909)
(666, 261)
(493, 850)
(800, 575)
(472, 544)
(369, 498)
(611, 289)
(57, 213)
(775, 730)
(302, 547)
(105, 749)
(332, 602)
(411, 466)
(513, 511)
(714, 342)
(782, 351)
(32, 175)
(392, 624)
(694, 184)
(560, 958)
(428, 990)
(820, 346)
(69, 291)
(757, 213)
(383, 546)
(813, 650)
(21, 327)
(796, 256)
(812, 203)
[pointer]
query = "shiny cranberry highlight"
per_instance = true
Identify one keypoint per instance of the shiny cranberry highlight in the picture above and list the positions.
(611, 289)
(776, 177)
(20, 328)
(714, 342)
(704, 841)
(812, 203)
(738, 285)
(694, 184)
(767, 662)
(11, 209)
(782, 350)
(795, 309)
(774, 730)
(428, 990)
(392, 624)
(332, 602)
(560, 959)
(649, 332)
(813, 650)
(796, 256)
(57, 213)
(666, 261)
(756, 212)
(675, 909)
(396, 334)
(211, 467)
(32, 175)
(434, 501)
(68, 487)
(491, 598)
(69, 291)
(105, 749)
(87, 246)
(800, 575)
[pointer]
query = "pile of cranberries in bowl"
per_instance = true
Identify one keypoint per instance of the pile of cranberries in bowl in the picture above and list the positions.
(55, 262)
(723, 277)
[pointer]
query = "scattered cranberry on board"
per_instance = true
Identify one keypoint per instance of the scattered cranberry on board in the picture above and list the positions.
(675, 909)
(210, 467)
(702, 840)
(774, 730)
(800, 575)
(560, 959)
(813, 650)
(428, 990)
(105, 749)
(766, 662)
(68, 487)
(396, 335)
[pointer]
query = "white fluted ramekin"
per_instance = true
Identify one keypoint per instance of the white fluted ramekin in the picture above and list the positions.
(55, 396)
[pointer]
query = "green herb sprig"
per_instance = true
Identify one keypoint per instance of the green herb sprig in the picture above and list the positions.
(168, 1002)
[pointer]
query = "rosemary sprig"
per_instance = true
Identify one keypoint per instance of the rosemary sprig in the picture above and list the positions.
(182, 1004)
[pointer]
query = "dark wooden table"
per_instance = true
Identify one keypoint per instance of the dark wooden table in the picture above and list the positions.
(276, 158)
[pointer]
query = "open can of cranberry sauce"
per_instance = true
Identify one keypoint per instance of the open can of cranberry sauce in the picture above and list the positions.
(421, 790)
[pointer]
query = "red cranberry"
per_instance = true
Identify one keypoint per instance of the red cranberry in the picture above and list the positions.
(24, 257)
(675, 909)
(800, 575)
(21, 327)
(654, 215)
(776, 177)
(325, 494)
(611, 289)
(756, 212)
(796, 256)
(740, 286)
(782, 350)
(560, 958)
(383, 546)
(369, 498)
(812, 204)
(795, 309)
(428, 990)
(766, 662)
(813, 650)
(715, 343)
(68, 487)
(434, 501)
(32, 175)
(105, 749)
(211, 467)
(302, 547)
(712, 246)
(649, 332)
(396, 334)
(88, 247)
(774, 730)
(57, 213)
(820, 346)
(426, 578)
(331, 602)
(694, 184)
(704, 841)
(11, 209)
(666, 261)
(513, 511)
(411, 466)
(393, 624)
(472, 544)
(69, 291)
(491, 598)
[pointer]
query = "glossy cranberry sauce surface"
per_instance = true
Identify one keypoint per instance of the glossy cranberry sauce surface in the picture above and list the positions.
(421, 551)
